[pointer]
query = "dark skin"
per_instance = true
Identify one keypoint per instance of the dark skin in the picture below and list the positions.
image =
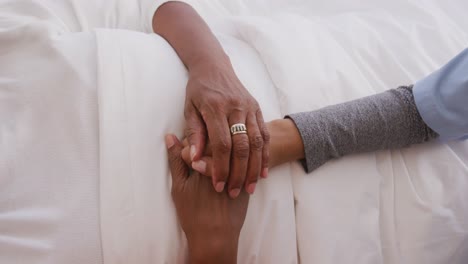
(286, 146)
(215, 100)
(211, 221)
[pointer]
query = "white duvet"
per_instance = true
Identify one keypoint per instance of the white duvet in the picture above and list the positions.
(401, 206)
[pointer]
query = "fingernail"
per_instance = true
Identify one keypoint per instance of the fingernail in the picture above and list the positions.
(265, 173)
(199, 166)
(234, 193)
(251, 188)
(193, 152)
(220, 186)
(169, 141)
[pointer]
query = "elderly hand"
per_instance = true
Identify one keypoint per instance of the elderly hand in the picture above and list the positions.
(215, 101)
(211, 221)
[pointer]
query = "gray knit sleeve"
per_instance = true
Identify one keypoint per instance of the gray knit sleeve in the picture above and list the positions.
(383, 121)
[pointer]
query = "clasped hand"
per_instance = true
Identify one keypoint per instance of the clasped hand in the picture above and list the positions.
(216, 100)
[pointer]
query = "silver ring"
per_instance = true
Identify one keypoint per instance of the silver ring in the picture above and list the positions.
(238, 129)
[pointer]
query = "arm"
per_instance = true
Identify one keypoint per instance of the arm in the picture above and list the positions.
(387, 120)
(383, 121)
(189, 35)
(392, 119)
(215, 100)
(397, 118)
(437, 106)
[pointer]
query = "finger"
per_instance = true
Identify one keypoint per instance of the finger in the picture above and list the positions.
(186, 155)
(256, 151)
(239, 158)
(266, 144)
(204, 166)
(208, 149)
(179, 169)
(195, 133)
(185, 143)
(220, 138)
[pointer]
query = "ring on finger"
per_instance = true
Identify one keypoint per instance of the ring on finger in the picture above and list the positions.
(238, 129)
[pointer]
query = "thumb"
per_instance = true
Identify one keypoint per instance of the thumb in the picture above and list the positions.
(196, 134)
(186, 155)
(179, 169)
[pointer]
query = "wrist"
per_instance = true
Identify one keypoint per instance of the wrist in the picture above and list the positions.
(213, 251)
(211, 60)
(285, 142)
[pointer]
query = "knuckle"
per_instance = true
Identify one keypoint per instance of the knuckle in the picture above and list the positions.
(242, 149)
(210, 106)
(256, 143)
(266, 135)
(241, 153)
(222, 146)
(235, 101)
(205, 113)
(190, 131)
(213, 100)
(205, 109)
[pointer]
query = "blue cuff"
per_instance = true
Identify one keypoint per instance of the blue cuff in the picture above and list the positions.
(427, 108)
(441, 99)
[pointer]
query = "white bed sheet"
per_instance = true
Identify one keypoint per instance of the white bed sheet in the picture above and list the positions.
(136, 109)
(401, 206)
(404, 206)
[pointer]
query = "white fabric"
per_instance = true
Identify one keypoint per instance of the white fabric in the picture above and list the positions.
(83, 173)
(49, 133)
(137, 108)
(78, 184)
(48, 140)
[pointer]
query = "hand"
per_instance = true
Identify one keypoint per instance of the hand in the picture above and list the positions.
(211, 221)
(285, 146)
(215, 101)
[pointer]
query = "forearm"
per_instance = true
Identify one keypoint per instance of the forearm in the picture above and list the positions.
(188, 34)
(387, 120)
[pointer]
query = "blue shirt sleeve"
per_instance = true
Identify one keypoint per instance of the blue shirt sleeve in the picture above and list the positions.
(442, 99)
